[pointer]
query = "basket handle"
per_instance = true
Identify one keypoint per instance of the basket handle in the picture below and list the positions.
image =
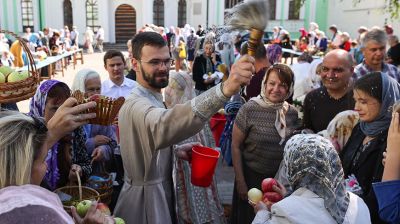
(79, 184)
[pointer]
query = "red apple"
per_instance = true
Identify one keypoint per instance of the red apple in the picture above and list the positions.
(272, 197)
(103, 208)
(267, 184)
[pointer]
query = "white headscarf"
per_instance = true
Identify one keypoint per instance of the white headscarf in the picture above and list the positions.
(81, 77)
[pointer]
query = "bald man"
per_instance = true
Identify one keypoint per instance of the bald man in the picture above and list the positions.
(321, 105)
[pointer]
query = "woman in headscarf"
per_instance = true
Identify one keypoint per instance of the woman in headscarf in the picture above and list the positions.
(260, 130)
(194, 204)
(374, 94)
(274, 53)
(319, 194)
(225, 49)
(69, 154)
(89, 37)
(101, 140)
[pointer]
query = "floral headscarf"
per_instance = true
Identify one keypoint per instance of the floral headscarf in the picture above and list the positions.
(312, 162)
(38, 101)
(36, 108)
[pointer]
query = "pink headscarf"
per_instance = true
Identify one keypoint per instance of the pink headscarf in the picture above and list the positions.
(14, 197)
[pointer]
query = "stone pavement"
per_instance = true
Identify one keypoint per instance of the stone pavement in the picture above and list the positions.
(224, 174)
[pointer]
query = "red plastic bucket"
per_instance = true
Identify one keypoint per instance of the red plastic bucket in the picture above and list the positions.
(204, 161)
(217, 124)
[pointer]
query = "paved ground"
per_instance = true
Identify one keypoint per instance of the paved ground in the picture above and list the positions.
(224, 174)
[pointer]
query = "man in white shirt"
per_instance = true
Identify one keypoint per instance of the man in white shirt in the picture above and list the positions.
(116, 85)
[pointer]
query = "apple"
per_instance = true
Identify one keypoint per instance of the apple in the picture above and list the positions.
(83, 207)
(2, 78)
(267, 184)
(6, 70)
(17, 76)
(119, 220)
(103, 208)
(271, 197)
(254, 195)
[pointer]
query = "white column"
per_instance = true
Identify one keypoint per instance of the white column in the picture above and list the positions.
(79, 17)
(170, 12)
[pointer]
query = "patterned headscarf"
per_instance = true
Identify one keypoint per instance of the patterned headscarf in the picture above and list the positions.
(390, 95)
(36, 108)
(312, 162)
(274, 53)
(282, 107)
(38, 101)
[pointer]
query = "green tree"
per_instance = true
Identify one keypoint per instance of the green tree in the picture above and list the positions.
(392, 7)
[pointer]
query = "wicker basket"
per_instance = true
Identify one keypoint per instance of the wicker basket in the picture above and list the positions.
(78, 194)
(106, 108)
(11, 92)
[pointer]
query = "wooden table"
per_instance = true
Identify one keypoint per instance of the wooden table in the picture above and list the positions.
(51, 61)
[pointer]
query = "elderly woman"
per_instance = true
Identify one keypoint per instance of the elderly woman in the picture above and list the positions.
(361, 157)
(204, 64)
(260, 130)
(24, 144)
(319, 194)
(69, 154)
(101, 140)
(194, 204)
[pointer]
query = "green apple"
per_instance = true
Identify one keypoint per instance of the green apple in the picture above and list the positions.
(83, 207)
(6, 70)
(2, 78)
(17, 76)
(119, 220)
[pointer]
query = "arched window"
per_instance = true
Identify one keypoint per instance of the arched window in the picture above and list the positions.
(158, 12)
(181, 13)
(27, 14)
(294, 10)
(231, 3)
(92, 14)
(68, 14)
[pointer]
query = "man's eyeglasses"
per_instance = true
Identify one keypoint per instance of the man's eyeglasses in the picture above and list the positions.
(334, 70)
(158, 62)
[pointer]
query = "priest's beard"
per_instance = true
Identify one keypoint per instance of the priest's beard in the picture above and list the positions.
(152, 81)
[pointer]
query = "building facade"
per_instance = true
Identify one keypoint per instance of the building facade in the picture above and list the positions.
(122, 18)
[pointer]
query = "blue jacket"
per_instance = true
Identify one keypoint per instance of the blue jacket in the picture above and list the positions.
(388, 196)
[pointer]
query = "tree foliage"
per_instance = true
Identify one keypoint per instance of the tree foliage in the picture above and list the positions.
(392, 7)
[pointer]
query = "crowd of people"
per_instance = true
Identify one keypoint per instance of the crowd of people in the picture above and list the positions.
(326, 128)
